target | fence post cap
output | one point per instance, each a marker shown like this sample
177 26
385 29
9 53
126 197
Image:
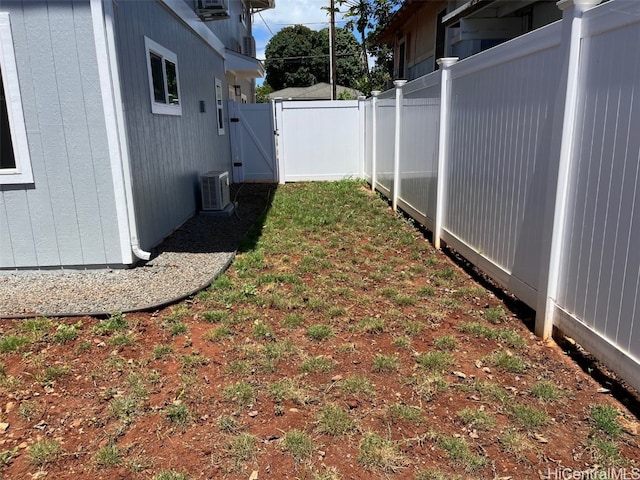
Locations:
580 4
399 83
447 61
375 93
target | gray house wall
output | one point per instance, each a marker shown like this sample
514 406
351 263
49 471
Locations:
231 32
67 217
168 153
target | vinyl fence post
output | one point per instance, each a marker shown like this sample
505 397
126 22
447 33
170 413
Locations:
396 149
374 139
278 132
443 143
362 140
560 166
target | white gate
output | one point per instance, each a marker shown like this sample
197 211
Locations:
253 150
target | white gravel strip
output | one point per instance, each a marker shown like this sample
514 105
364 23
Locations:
188 261
169 277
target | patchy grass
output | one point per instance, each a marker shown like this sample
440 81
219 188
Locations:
434 361
407 413
385 363
334 420
357 385
240 393
476 418
604 418
116 322
44 452
243 448
445 343
108 456
378 453
529 417
546 391
12 343
298 444
508 361
319 332
329 350
460 454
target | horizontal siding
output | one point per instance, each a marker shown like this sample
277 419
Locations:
67 217
168 153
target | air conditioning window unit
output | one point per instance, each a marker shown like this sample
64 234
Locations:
214 188
249 46
209 10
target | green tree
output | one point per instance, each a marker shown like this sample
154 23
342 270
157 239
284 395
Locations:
350 63
299 57
262 93
291 58
368 18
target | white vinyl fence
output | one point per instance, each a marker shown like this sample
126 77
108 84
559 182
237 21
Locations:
524 158
320 140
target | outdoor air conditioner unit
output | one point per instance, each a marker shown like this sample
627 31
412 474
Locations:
209 10
214 188
249 46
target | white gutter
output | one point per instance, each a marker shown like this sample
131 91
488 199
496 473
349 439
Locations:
116 133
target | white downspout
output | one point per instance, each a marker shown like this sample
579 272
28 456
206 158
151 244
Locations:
121 130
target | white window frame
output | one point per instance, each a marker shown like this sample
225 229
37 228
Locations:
166 54
219 107
22 172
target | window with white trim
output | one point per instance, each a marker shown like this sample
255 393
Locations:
164 85
15 161
219 107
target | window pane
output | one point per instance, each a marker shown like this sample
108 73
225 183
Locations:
158 78
7 159
172 83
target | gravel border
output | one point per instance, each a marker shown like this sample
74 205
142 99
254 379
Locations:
185 263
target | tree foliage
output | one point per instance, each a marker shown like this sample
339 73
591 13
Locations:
299 57
262 93
368 18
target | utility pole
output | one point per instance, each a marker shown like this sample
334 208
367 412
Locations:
332 47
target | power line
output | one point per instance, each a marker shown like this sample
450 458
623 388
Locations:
266 24
308 23
302 57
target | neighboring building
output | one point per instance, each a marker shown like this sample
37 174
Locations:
319 91
235 30
421 31
110 113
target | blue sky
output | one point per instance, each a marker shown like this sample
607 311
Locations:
289 12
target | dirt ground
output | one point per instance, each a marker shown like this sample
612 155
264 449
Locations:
139 395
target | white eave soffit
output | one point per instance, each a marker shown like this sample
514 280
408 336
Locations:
242 65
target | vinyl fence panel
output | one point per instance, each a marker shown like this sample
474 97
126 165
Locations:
321 140
500 129
600 276
386 122
419 148
369 139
